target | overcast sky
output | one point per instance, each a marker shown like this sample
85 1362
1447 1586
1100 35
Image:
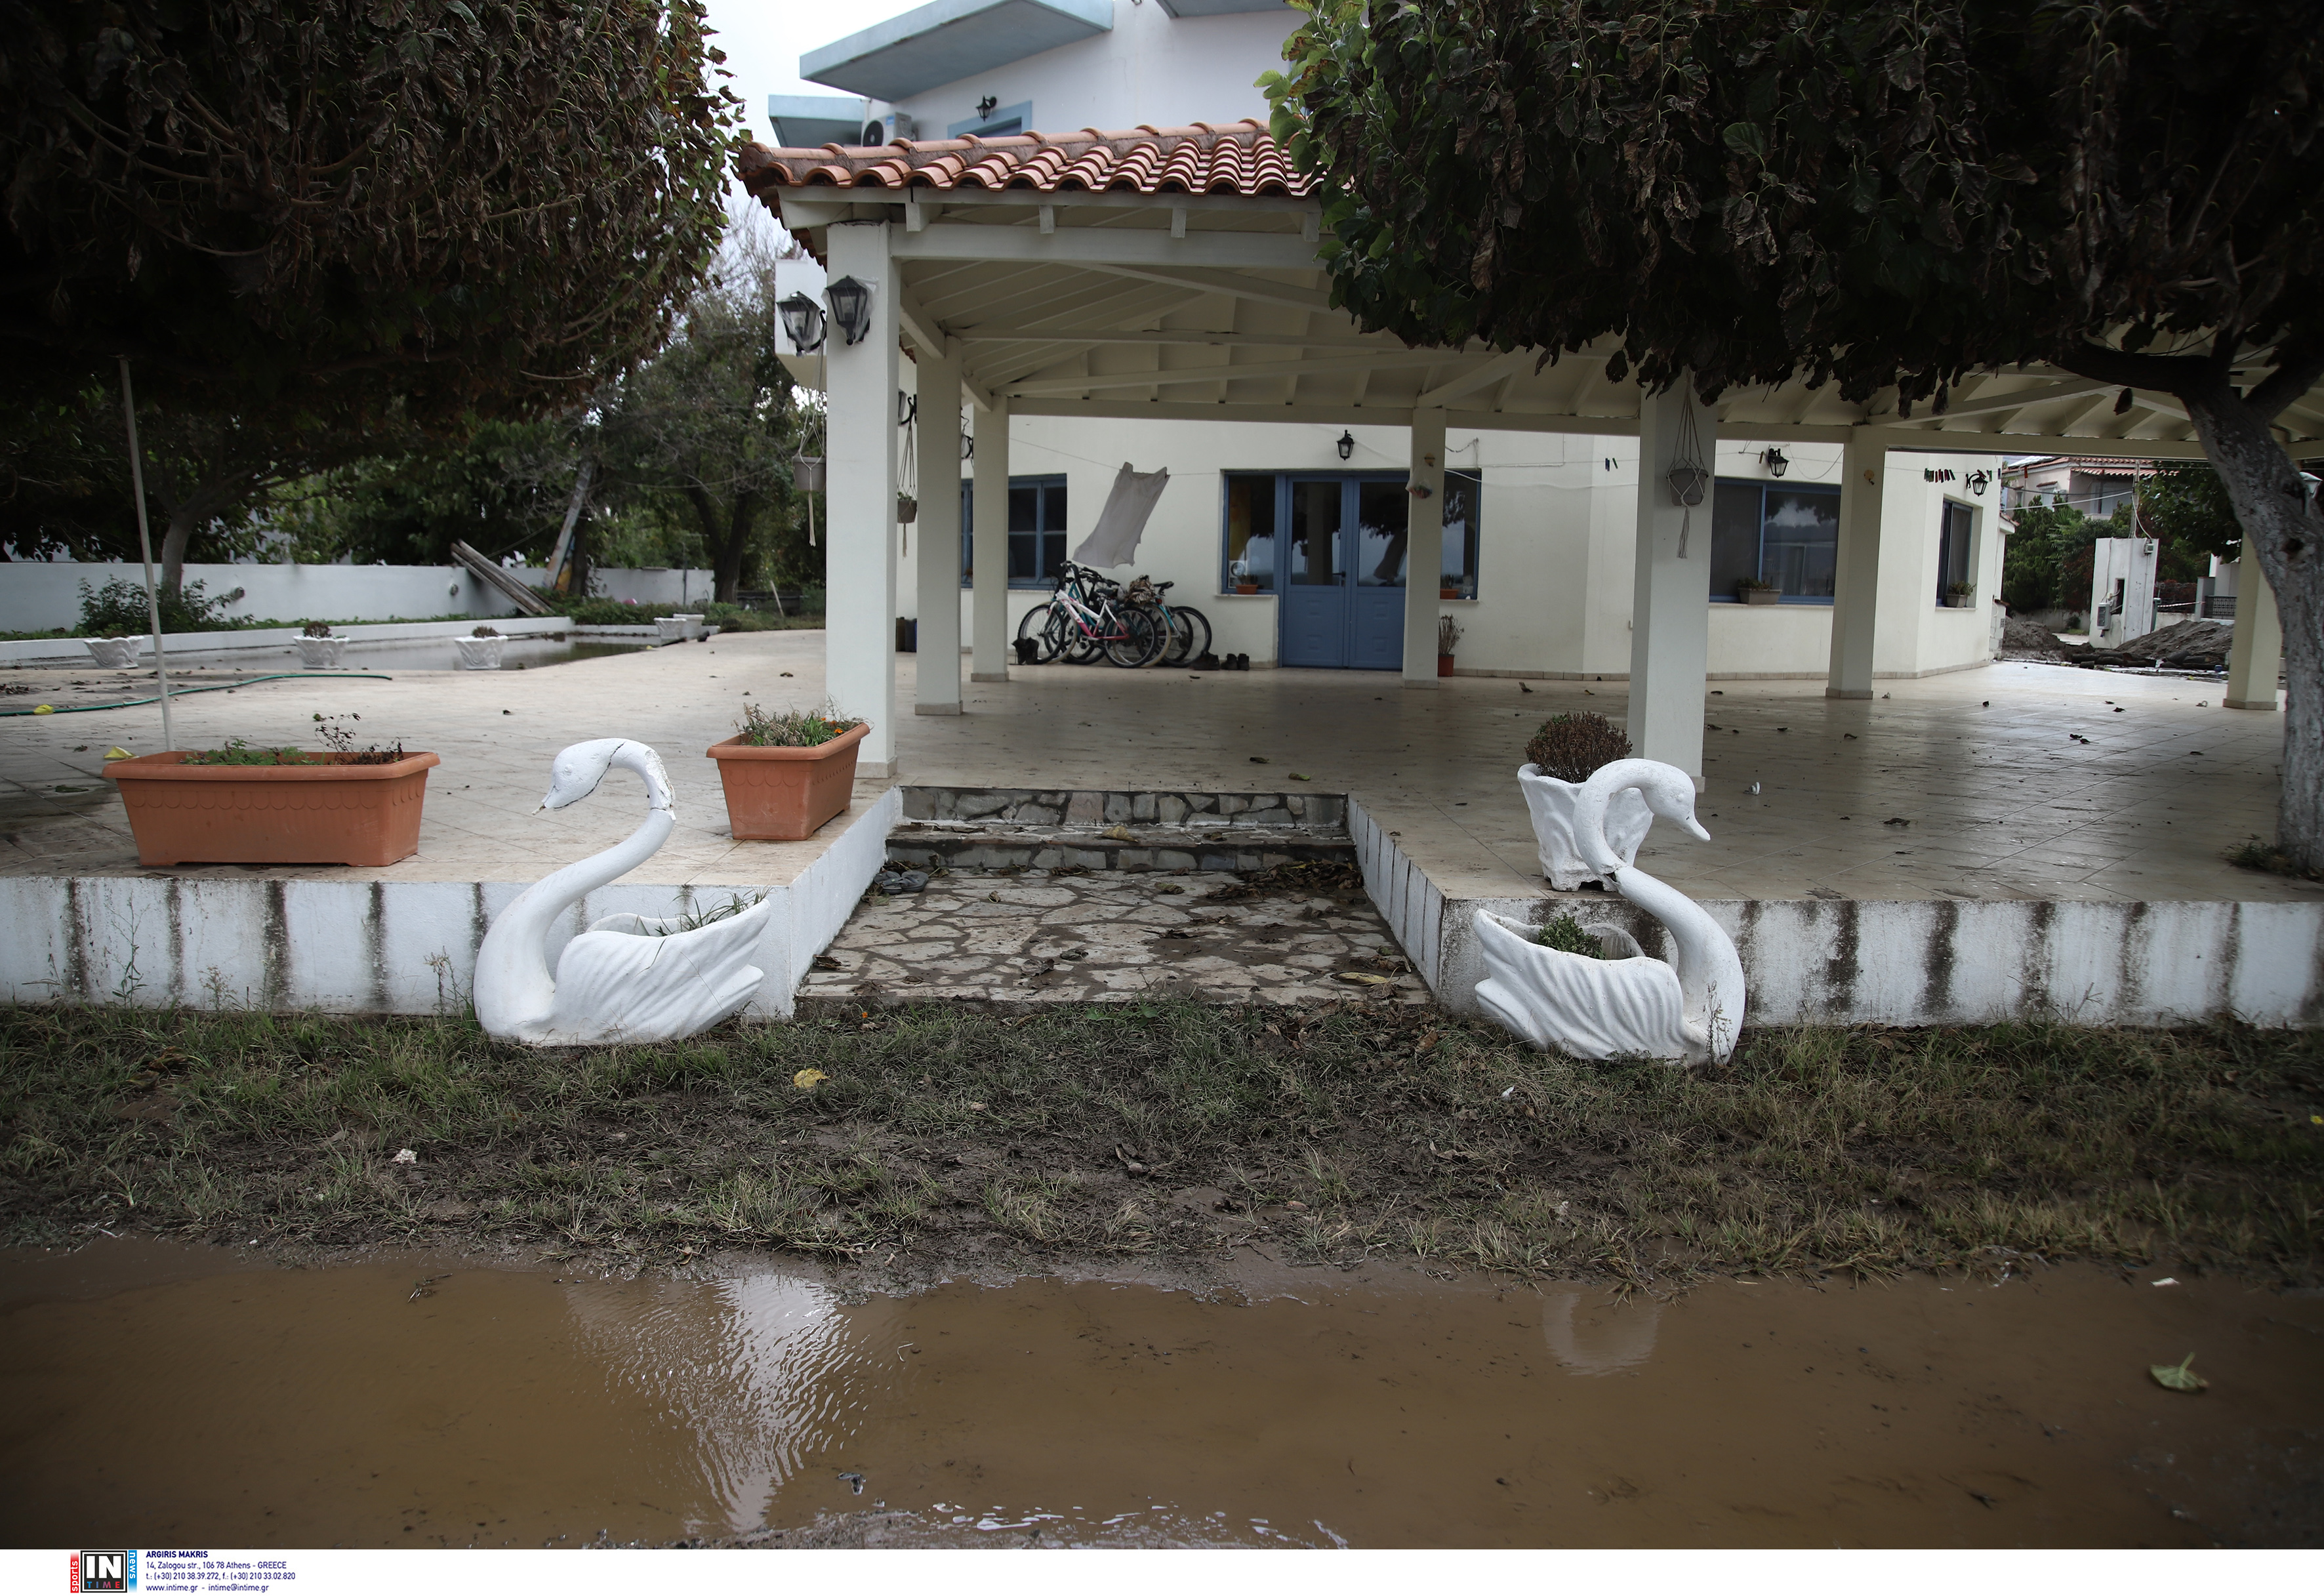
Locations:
763 40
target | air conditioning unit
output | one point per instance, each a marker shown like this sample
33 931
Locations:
888 129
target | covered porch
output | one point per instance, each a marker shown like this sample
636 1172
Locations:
1172 275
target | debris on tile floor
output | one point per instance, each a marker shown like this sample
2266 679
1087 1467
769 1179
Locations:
1014 937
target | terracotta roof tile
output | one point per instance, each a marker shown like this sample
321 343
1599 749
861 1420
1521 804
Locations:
1237 158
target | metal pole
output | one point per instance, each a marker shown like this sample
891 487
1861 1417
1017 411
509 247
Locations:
145 545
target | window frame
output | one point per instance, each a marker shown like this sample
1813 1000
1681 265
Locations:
1764 487
1040 483
1472 544
1972 527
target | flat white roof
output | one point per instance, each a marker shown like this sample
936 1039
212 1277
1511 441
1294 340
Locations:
949 40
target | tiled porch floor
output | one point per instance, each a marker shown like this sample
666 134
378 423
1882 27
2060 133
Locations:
2002 801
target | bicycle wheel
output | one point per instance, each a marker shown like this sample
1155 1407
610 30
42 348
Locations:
1136 638
1034 625
1190 635
1065 639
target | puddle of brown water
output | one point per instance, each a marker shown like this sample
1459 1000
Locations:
201 1400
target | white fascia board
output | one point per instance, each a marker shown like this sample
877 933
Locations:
948 40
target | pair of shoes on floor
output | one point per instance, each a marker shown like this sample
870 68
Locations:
1208 662
1238 662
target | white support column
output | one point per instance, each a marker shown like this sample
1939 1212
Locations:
1670 604
2255 655
988 517
859 647
938 539
1424 543
1856 580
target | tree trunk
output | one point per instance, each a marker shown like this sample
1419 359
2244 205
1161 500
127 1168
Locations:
171 556
2283 537
729 568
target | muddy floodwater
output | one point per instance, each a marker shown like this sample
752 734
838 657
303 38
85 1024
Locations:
157 1396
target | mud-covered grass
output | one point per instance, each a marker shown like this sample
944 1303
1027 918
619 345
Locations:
947 1137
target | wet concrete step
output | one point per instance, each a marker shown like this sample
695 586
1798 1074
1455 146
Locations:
997 806
1242 849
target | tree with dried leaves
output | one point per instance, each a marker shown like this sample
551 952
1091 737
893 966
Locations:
339 217
1874 193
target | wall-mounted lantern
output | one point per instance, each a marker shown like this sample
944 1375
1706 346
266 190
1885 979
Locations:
803 318
1978 480
1773 459
1347 444
851 307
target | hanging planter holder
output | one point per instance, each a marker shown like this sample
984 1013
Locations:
1690 475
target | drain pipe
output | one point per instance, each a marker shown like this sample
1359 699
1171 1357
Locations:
145 545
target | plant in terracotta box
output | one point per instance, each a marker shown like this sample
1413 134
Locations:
787 774
1755 590
245 804
1958 595
1565 753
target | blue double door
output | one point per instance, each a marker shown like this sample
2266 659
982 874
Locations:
1344 558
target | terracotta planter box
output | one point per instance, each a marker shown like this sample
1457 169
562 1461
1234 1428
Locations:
1443 664
1757 595
1448 593
781 795
323 812
1246 587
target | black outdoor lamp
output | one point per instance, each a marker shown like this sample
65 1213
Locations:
1978 480
803 319
1347 444
851 307
1773 459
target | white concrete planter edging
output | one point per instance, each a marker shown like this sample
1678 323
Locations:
115 653
365 947
322 654
1550 804
480 654
74 650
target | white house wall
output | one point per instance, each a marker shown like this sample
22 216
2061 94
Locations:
1556 585
1150 70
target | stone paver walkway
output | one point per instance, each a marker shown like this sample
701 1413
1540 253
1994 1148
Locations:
1031 936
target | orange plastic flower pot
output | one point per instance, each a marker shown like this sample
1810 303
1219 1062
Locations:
320 811
781 795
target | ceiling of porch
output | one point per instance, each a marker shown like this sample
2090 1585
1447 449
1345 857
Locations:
1173 274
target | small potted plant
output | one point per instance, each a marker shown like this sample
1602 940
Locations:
1757 590
785 775
1958 595
678 629
1448 638
480 650
1565 753
318 648
115 653
240 805
1240 571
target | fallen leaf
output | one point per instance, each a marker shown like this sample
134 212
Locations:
405 1156
2178 1377
1359 978
1256 759
1295 776
118 753
807 1079
51 709
1119 834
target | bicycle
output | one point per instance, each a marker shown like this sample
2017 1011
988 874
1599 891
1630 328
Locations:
1087 615
1189 628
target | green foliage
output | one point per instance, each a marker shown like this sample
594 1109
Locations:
2184 507
1565 934
235 751
118 609
2050 539
793 728
1870 191
503 488
359 206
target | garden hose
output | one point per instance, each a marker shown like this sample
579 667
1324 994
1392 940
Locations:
280 676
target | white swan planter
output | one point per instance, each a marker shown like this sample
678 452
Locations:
1627 1007
626 978
1566 856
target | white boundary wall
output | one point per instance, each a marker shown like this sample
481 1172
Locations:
362 947
1923 961
42 596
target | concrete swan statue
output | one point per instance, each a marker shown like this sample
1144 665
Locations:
1622 1008
626 978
